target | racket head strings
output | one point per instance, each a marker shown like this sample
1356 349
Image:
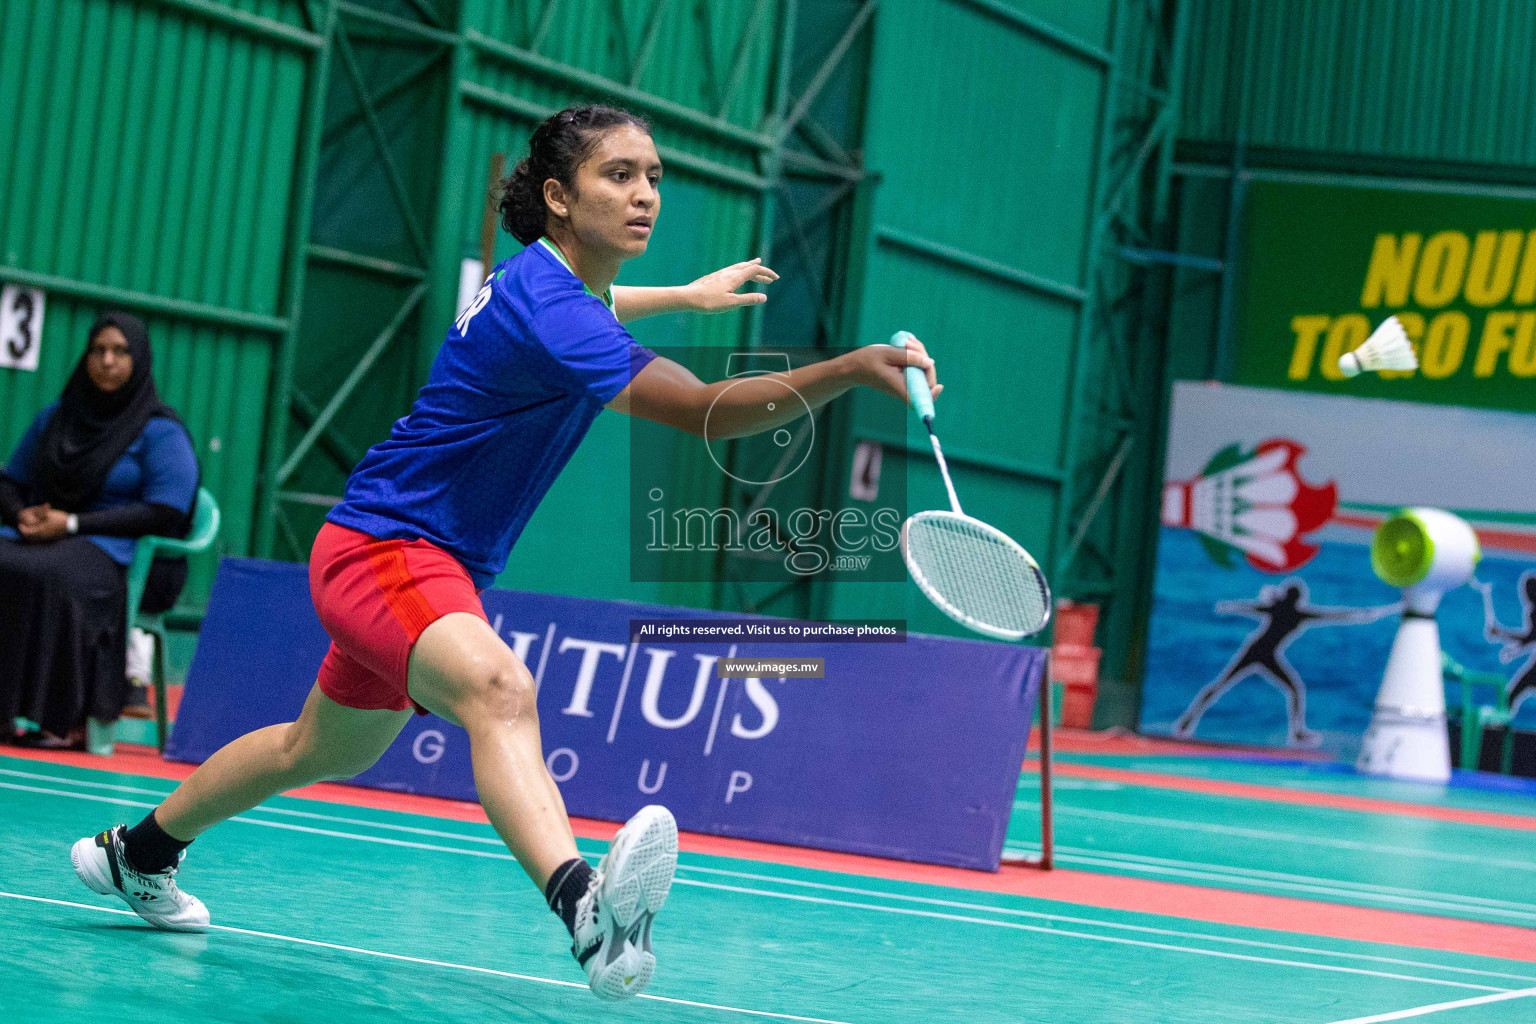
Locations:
976 574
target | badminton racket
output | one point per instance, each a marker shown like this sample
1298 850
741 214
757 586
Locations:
972 571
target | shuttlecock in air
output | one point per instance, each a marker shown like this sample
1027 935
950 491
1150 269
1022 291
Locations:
1388 348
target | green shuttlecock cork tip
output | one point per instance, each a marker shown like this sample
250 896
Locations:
1402 551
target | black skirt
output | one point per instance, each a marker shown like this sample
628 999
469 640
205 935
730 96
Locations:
63 645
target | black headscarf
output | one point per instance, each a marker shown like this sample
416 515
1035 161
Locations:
92 428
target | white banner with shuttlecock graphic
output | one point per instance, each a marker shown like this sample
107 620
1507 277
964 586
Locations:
1254 502
1268 625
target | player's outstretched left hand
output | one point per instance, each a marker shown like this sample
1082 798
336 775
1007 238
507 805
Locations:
715 293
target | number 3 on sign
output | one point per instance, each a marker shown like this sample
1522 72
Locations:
21 326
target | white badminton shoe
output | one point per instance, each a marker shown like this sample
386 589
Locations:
613 918
102 864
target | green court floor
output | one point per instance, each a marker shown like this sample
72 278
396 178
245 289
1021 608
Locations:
336 914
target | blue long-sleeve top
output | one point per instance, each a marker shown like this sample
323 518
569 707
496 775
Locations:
159 466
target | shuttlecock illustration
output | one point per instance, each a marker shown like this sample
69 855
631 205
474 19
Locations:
1388 348
1253 502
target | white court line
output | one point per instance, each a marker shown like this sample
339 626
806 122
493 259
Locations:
1278 880
272 824
1524 909
813 899
488 840
790 896
1113 925
1285 837
1075 855
1422 1011
432 963
1085 935
853 890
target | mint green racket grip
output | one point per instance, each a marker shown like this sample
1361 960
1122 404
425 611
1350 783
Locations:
917 381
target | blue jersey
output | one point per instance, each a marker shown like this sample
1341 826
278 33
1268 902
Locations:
524 371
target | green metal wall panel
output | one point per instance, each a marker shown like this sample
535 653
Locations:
1448 80
355 362
713 58
980 247
165 191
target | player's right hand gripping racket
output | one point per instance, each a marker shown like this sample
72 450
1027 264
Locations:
975 573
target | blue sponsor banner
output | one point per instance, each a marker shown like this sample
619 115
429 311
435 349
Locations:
907 750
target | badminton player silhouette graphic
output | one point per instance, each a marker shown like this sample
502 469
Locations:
429 517
1283 615
1515 642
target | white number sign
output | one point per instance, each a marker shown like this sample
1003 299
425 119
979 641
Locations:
21 326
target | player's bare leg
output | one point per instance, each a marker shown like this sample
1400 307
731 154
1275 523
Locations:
461 670
327 742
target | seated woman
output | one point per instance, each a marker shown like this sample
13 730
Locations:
107 463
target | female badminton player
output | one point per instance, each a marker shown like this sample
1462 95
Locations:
428 519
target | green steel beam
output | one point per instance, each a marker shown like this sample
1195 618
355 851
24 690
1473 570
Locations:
342 452
252 24
803 247
280 520
527 60
357 261
1083 336
529 110
1391 183
709 80
1175 101
427 11
1237 188
648 44
821 209
353 118
1158 133
806 166
824 73
616 20
1106 483
772 160
1042 30
348 386
128 298
381 143
310 498
444 258
1139 525
980 264
739 61
1048 476
403 25
300 208
822 141
545 23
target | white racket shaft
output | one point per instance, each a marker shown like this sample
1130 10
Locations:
972 571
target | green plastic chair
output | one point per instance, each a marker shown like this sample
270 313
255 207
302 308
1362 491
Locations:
205 527
1476 717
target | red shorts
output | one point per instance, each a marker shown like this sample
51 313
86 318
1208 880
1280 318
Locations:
374 598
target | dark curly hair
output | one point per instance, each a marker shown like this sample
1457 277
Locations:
558 146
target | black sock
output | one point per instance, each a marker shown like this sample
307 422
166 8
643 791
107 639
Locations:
566 887
150 848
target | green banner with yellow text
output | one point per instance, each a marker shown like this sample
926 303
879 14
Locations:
1323 265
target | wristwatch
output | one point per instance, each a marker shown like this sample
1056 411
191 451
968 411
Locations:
71 523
